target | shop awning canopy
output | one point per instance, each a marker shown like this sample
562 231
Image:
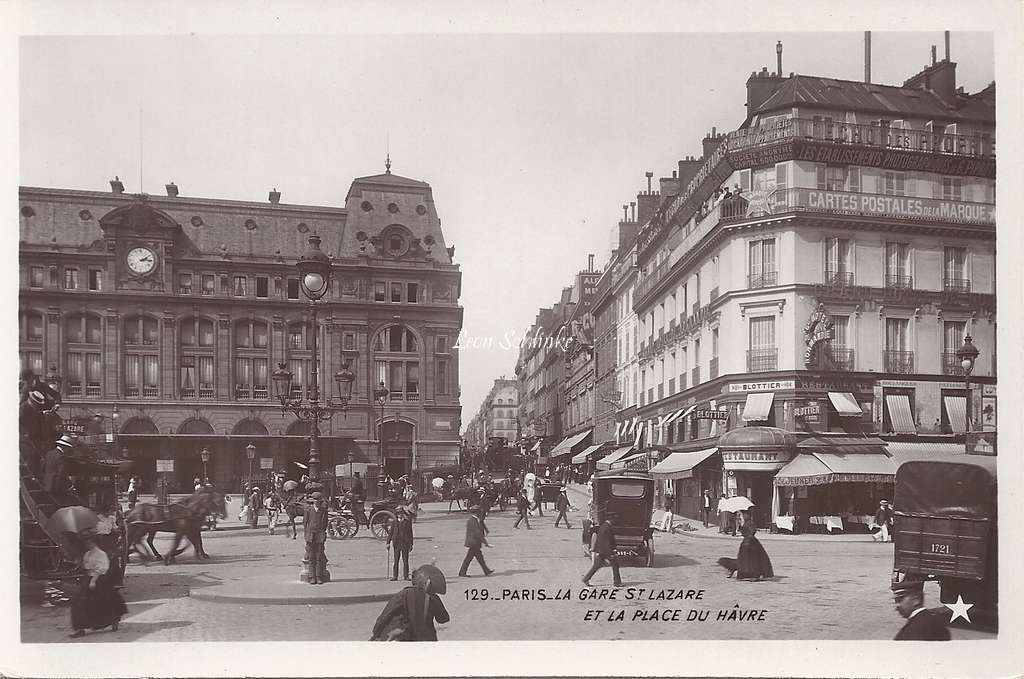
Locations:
617 454
758 406
956 410
681 465
845 404
629 461
900 415
819 468
904 451
567 444
844 445
582 457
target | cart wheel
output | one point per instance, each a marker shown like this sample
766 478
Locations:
346 527
381 522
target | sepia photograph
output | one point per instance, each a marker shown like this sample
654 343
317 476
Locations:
510 336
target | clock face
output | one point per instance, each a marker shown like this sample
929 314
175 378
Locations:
141 260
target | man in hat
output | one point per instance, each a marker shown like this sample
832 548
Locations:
255 505
603 550
474 540
55 479
523 509
562 504
921 625
705 509
400 539
883 517
314 530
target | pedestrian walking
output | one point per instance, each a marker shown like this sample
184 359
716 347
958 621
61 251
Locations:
562 504
669 518
523 509
921 625
314 530
883 517
55 478
410 614
255 505
133 493
751 562
273 505
603 551
475 538
97 604
400 539
705 509
197 485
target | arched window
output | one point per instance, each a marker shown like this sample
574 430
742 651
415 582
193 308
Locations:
82 366
252 360
141 357
30 331
195 371
396 358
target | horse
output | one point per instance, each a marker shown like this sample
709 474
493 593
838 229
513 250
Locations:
470 495
184 518
293 504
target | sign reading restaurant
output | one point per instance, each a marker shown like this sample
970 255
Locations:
774 385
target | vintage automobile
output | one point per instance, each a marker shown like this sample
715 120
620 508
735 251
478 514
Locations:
945 528
549 492
629 496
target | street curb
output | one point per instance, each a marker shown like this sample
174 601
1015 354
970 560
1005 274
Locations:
281 600
771 537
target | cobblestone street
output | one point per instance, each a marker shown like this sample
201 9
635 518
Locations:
824 589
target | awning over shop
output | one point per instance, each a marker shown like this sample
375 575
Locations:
617 454
631 461
842 445
956 409
582 457
681 465
820 468
536 447
904 451
803 470
758 406
566 446
900 415
845 404
678 415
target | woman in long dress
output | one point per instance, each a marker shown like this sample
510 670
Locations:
97 604
751 562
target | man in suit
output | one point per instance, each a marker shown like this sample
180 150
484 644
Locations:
603 549
55 478
562 505
705 508
314 530
400 539
474 540
883 517
921 625
523 509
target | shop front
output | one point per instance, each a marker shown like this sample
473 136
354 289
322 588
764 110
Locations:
751 456
833 484
560 457
687 476
583 463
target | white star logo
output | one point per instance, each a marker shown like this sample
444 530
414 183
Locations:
959 609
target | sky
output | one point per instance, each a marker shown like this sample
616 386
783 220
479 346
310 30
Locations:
531 143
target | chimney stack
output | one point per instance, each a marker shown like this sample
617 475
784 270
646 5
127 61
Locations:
625 213
590 262
933 55
649 176
116 186
632 205
172 189
946 34
867 57
275 196
778 51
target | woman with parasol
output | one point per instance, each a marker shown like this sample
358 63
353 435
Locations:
97 604
410 614
751 562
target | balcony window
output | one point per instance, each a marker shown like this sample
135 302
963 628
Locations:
379 292
952 337
238 287
95 280
208 285
141 330
761 264
293 288
70 278
954 276
897 266
195 332
141 375
32 360
412 293
952 188
762 355
225 284
196 375
35 276
894 183
897 357
837 262
31 327
185 284
262 287
83 329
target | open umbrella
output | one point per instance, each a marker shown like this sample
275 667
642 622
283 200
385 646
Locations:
74 519
735 504
291 485
430 578
437 483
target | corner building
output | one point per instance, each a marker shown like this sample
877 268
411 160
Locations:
831 297
167 315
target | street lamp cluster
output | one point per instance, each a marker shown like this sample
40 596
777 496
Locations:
968 354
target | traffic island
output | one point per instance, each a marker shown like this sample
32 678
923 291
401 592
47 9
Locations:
285 588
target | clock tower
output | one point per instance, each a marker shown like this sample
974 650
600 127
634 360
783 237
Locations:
141 238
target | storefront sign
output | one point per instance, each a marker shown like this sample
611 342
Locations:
827 384
817 330
165 465
747 456
807 411
899 206
706 414
897 159
266 463
776 385
74 428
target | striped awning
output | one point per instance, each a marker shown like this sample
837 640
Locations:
634 461
821 468
900 415
617 454
956 411
845 404
679 414
566 446
803 470
681 465
902 451
758 406
582 457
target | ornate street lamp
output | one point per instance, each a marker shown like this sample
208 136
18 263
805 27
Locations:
205 454
968 354
250 452
380 394
315 280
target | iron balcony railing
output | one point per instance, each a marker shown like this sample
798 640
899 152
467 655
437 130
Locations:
956 284
839 278
979 145
840 358
899 281
951 364
765 279
762 360
901 362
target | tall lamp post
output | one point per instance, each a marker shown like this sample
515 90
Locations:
968 354
250 452
380 394
315 280
205 454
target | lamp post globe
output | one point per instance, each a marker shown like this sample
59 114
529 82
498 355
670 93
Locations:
250 452
205 454
968 354
314 270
